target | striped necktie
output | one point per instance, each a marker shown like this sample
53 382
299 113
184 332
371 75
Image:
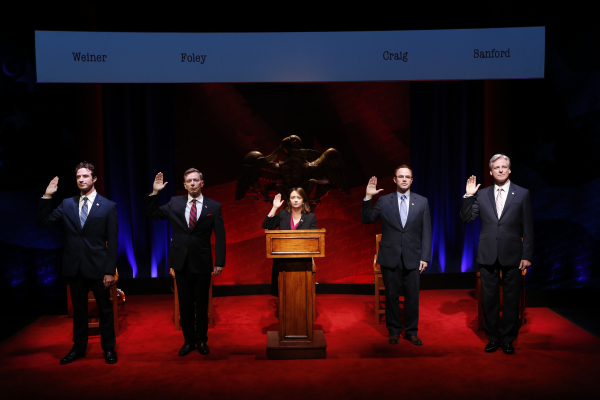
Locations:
193 217
499 203
84 211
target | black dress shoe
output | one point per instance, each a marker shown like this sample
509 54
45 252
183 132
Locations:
491 347
508 348
110 356
72 356
186 349
414 339
203 349
393 339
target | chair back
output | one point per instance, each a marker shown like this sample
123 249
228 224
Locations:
376 267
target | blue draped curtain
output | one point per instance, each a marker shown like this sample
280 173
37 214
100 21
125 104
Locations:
138 143
446 147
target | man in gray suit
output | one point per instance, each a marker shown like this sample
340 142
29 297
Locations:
404 250
505 243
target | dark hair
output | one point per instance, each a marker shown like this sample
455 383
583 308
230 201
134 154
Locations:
402 166
302 193
86 165
189 171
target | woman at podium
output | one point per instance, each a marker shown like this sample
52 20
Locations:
295 215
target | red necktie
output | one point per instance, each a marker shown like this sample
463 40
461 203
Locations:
193 215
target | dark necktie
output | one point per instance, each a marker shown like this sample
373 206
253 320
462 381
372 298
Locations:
84 212
193 218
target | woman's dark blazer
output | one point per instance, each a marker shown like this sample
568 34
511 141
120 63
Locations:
282 221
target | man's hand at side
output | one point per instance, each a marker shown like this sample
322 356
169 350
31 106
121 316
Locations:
524 265
109 280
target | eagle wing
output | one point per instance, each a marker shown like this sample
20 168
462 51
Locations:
332 165
256 167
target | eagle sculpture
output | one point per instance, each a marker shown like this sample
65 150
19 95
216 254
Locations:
292 166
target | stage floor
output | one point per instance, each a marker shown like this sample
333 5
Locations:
553 359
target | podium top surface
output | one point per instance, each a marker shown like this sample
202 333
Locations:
295 243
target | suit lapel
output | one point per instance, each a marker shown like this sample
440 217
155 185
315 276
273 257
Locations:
202 213
510 196
492 199
181 206
76 200
394 204
302 221
414 202
92 209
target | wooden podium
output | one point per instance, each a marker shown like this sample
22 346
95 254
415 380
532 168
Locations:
296 338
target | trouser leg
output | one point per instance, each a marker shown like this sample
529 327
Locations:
79 298
490 296
412 281
185 290
201 289
392 279
512 282
105 309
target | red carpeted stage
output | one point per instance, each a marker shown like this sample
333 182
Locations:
554 358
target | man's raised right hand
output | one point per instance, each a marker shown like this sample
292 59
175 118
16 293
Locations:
159 183
372 188
472 186
52 188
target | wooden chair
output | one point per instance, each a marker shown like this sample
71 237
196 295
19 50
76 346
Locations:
91 299
480 301
378 281
177 317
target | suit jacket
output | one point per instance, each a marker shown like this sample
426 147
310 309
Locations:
411 243
93 248
283 221
508 239
195 244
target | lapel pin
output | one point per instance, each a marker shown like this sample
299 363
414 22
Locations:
513 192
98 204
413 204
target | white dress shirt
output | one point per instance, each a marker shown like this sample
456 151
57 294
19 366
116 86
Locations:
90 198
407 200
503 194
188 207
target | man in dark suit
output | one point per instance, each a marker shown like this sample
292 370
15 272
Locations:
404 250
505 242
193 218
90 258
